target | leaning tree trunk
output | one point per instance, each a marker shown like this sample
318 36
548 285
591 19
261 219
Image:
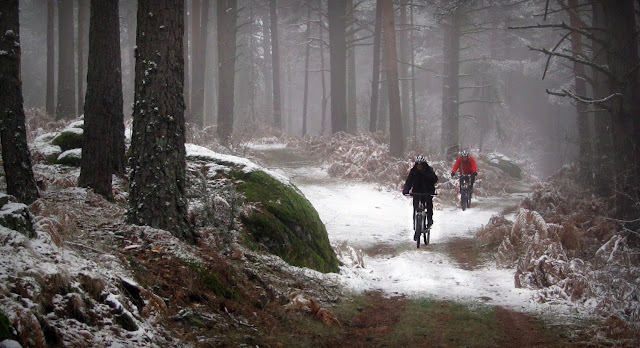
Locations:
15 151
396 138
158 164
450 89
375 80
227 17
275 62
66 67
103 107
337 60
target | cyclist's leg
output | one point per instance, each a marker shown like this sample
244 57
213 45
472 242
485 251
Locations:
429 204
415 208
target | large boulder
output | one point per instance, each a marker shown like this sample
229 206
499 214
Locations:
505 164
16 216
281 218
69 138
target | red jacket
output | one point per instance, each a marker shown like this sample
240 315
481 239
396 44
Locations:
466 167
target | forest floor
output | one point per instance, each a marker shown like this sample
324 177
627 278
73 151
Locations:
241 298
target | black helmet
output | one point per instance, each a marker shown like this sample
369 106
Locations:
420 159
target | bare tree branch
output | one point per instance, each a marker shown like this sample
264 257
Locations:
600 68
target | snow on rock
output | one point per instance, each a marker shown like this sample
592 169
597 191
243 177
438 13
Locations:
195 152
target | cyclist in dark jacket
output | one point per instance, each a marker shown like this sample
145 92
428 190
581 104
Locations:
422 179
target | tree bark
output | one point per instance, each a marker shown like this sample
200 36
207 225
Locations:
103 107
51 82
352 95
584 132
187 57
267 72
337 61
396 138
66 107
450 87
404 69
305 99
603 157
16 158
199 47
275 62
323 120
375 80
158 164
622 59
227 17
83 9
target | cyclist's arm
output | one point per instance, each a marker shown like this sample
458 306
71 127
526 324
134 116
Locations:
474 169
456 165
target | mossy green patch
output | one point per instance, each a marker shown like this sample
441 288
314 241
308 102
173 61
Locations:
5 327
69 139
286 222
211 282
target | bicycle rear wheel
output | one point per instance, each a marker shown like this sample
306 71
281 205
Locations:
427 235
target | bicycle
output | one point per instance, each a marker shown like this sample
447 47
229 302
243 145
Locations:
419 216
465 191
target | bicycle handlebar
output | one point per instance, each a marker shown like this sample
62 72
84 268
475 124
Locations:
421 194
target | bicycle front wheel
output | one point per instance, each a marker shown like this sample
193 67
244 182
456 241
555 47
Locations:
419 228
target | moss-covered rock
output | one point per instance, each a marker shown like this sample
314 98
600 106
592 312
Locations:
505 164
69 138
281 218
286 222
70 158
16 216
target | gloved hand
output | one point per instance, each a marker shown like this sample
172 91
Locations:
405 192
475 174
453 174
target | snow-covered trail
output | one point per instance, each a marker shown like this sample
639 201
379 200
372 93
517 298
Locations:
364 216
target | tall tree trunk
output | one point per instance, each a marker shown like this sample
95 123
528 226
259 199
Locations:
186 57
83 13
252 66
267 72
128 11
352 96
584 132
227 18
412 55
275 62
158 164
404 69
199 32
305 99
16 158
323 120
603 159
375 80
66 66
51 82
396 138
103 107
383 114
622 59
450 86
337 61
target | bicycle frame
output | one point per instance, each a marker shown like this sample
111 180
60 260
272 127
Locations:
419 217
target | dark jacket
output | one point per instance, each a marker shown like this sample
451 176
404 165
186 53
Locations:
422 181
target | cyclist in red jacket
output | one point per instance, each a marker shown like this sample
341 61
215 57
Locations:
467 165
